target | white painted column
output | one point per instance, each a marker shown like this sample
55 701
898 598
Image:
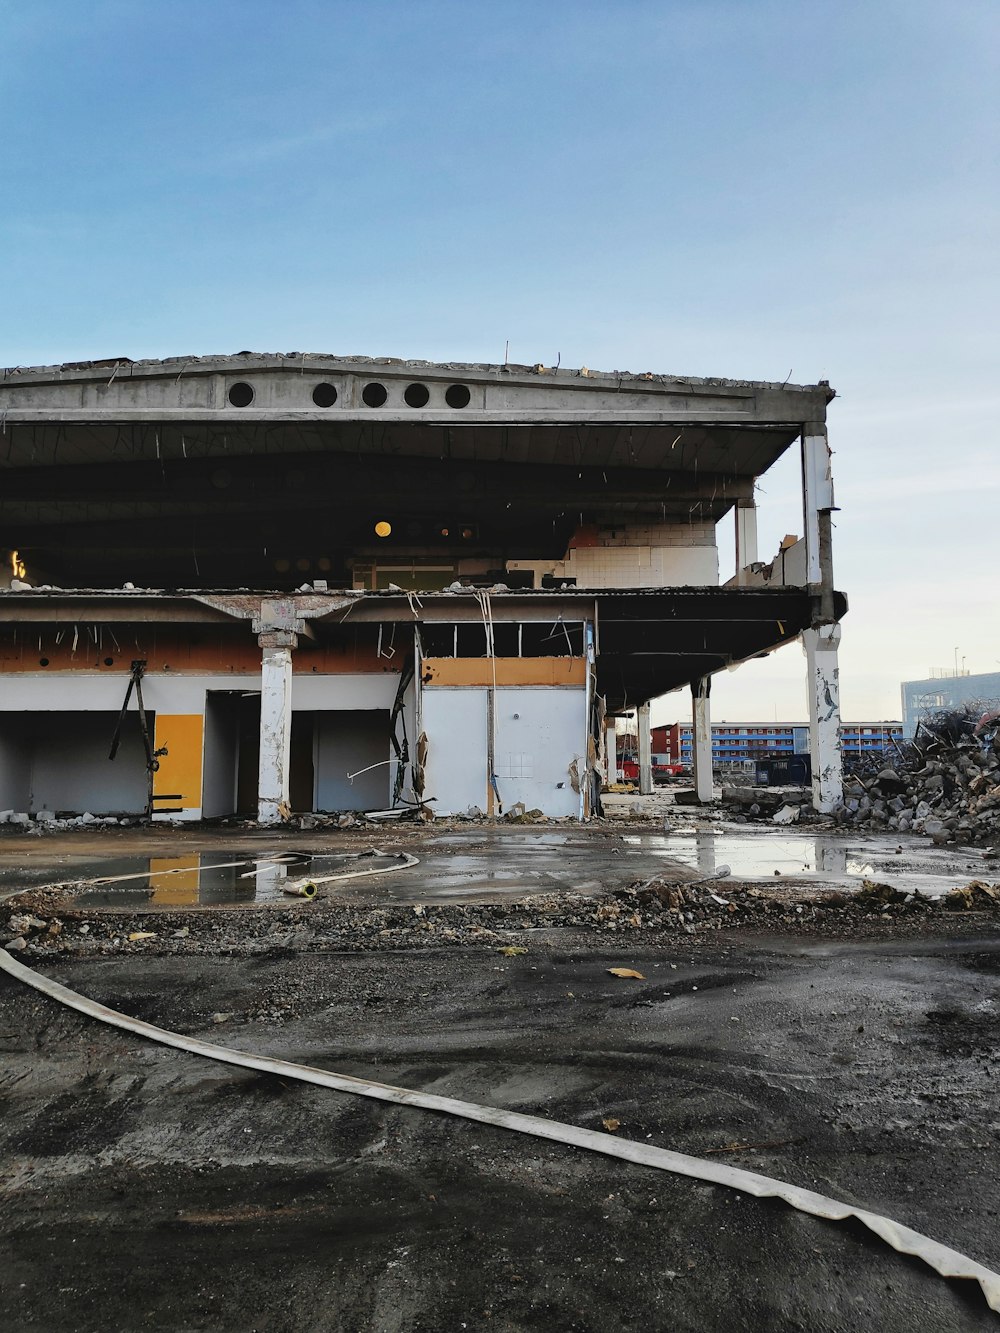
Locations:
645 750
701 739
611 748
821 645
275 729
746 537
817 503
822 640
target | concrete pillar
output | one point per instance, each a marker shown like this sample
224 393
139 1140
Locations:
818 504
275 728
746 537
611 748
822 640
701 738
645 750
821 645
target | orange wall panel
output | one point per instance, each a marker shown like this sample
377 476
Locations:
509 671
201 652
177 782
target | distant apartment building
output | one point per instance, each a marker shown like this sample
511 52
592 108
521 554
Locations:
947 689
733 742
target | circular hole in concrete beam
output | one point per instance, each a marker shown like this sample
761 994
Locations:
324 395
458 395
241 394
374 394
416 395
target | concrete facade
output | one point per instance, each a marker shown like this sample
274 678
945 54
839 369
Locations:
348 583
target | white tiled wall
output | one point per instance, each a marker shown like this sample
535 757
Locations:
656 556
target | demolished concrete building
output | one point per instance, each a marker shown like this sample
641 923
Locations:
325 583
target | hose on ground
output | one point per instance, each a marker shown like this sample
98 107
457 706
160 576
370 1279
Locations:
942 1259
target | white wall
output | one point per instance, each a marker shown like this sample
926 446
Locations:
102 786
59 761
371 690
666 555
540 730
455 722
347 741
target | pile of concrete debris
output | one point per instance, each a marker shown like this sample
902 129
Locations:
945 784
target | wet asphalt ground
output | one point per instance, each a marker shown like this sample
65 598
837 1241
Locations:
143 1188
215 867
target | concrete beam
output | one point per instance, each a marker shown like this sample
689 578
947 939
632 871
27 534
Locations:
43 608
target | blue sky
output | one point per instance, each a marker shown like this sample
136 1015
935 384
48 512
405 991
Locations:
741 189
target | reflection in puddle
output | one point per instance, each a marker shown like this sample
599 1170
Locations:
751 856
205 880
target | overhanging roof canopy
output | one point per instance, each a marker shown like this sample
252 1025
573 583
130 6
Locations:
190 468
650 641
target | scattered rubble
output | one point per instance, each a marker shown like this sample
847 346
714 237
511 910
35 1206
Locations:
47 921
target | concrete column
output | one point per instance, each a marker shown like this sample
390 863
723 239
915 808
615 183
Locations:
275 727
645 750
818 504
611 748
821 645
701 738
746 537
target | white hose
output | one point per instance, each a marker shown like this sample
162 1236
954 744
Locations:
949 1263
403 862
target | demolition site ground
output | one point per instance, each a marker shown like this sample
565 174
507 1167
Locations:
834 1025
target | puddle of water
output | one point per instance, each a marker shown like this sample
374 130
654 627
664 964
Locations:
211 879
479 863
755 856
815 856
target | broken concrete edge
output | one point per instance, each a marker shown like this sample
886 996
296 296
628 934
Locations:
942 1259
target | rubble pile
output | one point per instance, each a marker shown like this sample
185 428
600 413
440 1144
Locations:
944 784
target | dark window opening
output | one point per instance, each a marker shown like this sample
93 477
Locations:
241 395
374 394
552 640
506 640
533 639
458 395
324 395
471 641
437 640
416 395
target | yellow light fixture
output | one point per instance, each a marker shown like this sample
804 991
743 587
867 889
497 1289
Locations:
382 528
17 565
